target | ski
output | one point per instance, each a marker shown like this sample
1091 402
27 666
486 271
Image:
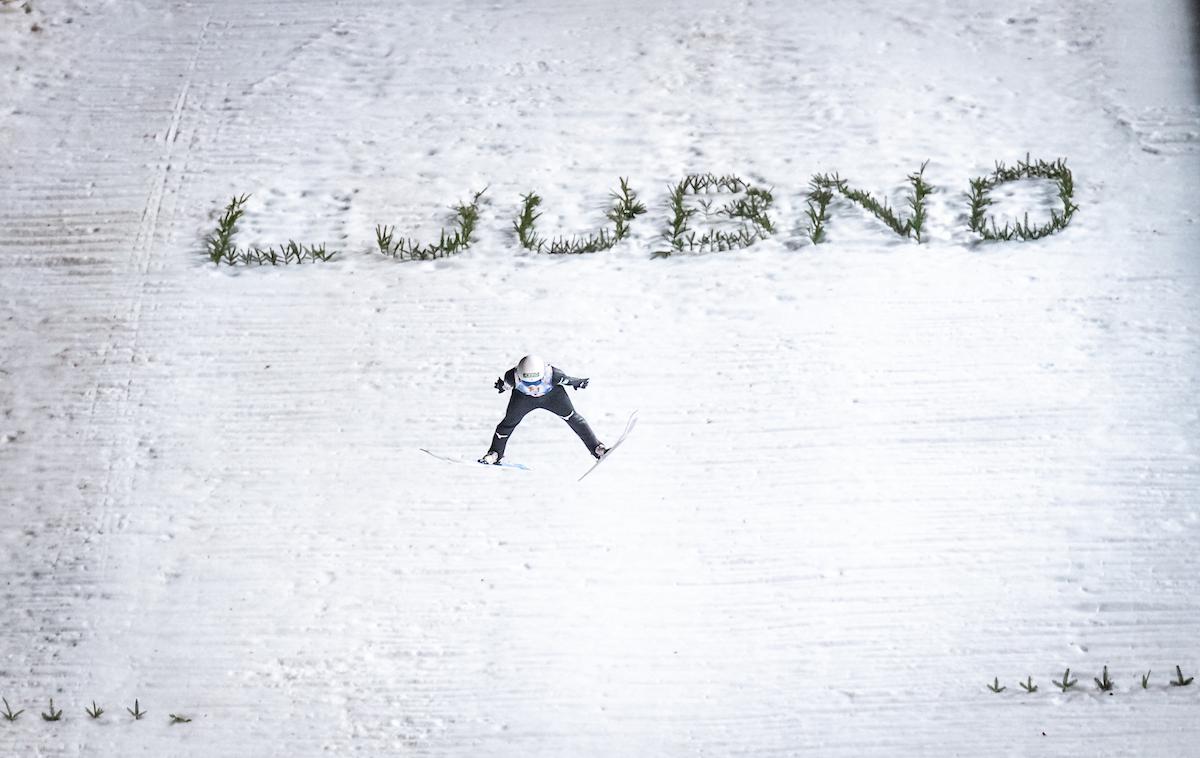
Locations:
452 459
628 428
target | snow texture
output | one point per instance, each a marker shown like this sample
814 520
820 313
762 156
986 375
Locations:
869 476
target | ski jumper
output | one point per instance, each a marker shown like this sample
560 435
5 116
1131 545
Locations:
551 394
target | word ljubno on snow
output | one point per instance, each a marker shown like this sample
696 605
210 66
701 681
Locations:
736 213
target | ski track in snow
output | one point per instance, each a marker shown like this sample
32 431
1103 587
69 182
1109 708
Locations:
867 477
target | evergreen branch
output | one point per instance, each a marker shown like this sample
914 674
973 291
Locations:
749 212
526 221
819 196
1179 681
466 217
1067 682
823 185
53 715
1056 171
625 208
8 712
222 249
220 242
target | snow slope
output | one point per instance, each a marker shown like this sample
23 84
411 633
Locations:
868 476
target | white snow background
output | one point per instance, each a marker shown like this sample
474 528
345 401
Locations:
868 477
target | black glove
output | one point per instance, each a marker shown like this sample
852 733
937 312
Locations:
499 385
580 384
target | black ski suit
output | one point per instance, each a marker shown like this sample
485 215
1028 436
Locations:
554 400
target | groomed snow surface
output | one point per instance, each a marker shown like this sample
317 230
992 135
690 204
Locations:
868 476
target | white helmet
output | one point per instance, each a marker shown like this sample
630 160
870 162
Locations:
531 369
